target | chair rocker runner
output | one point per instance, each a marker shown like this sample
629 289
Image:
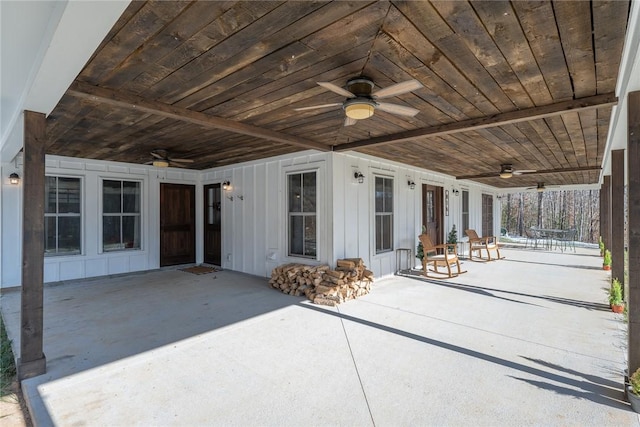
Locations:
439 255
488 243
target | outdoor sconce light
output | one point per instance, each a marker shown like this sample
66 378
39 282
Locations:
226 185
455 192
359 177
14 179
411 184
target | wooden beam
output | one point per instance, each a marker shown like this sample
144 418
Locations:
582 104
633 167
32 361
617 214
605 212
126 100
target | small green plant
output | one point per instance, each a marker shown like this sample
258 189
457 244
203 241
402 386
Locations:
419 249
601 245
607 258
634 380
453 235
615 293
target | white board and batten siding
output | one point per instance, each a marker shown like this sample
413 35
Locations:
92 261
254 213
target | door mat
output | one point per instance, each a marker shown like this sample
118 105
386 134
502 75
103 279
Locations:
199 269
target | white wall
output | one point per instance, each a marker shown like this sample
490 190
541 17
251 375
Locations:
254 227
254 223
353 208
91 262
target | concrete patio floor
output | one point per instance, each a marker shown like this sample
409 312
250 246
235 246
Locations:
528 340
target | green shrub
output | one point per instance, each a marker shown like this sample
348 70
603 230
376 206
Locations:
615 293
7 362
634 380
607 258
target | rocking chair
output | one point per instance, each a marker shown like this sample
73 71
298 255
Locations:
439 255
489 243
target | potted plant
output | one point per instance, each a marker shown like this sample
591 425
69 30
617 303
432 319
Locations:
419 249
452 238
606 262
634 390
601 245
615 297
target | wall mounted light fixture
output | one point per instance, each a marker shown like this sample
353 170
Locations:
14 179
359 177
226 185
411 184
455 192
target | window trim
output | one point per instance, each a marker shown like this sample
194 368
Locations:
56 215
375 251
101 214
289 214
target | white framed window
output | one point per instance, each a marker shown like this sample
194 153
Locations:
62 216
302 227
465 210
384 214
121 219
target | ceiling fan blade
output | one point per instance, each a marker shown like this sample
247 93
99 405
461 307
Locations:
159 155
397 109
181 160
480 175
313 107
538 172
348 121
336 89
398 89
524 171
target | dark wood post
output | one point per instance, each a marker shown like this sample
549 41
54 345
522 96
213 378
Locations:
32 361
633 298
605 211
617 215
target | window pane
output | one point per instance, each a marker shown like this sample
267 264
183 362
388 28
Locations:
50 194
387 232
130 197
310 235
68 195
309 192
50 234
378 233
295 193
131 232
111 233
69 234
296 235
379 194
388 195
111 196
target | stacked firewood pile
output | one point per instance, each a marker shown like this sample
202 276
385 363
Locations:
320 284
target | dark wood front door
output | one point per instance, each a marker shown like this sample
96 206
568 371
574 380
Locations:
177 224
212 224
432 212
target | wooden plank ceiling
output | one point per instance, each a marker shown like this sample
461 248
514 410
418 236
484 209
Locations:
529 83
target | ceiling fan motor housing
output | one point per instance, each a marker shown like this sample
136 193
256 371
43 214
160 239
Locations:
360 86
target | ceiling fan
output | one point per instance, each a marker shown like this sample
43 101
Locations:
507 171
161 159
541 187
361 102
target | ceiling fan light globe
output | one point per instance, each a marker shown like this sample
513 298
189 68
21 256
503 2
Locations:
161 163
359 110
506 174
